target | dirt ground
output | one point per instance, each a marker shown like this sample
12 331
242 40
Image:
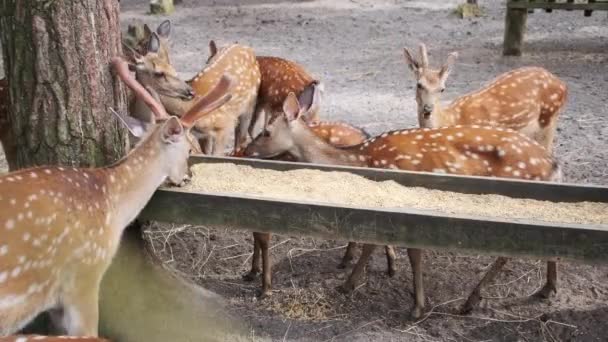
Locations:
355 46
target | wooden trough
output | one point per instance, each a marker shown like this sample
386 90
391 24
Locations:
409 228
141 300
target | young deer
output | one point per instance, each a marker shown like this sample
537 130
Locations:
238 62
41 338
335 134
527 100
140 43
61 226
465 150
280 77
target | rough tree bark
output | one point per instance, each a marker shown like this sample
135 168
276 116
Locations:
56 60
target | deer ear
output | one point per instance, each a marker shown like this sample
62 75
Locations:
410 60
164 29
291 107
147 31
172 130
448 66
153 43
309 100
137 127
212 48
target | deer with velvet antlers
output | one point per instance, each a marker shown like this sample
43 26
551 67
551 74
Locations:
61 226
236 61
527 100
464 150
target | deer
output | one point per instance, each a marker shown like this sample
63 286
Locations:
337 134
139 42
237 61
61 227
43 338
527 100
464 150
279 77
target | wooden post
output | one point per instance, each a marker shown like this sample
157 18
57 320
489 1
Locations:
161 6
515 27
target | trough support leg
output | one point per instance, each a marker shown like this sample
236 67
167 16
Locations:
515 27
475 296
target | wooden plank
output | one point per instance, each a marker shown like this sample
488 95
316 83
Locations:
596 6
410 228
542 191
515 27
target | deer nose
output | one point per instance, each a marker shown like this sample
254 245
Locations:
427 110
190 93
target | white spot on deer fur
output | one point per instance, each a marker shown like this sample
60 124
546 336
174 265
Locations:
26 236
450 138
521 165
3 276
516 173
16 271
10 179
439 170
3 250
501 152
9 224
508 169
415 161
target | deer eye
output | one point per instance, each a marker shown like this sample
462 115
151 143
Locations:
419 85
266 133
159 74
442 90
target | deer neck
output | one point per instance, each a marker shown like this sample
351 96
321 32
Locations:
441 116
131 182
312 149
175 106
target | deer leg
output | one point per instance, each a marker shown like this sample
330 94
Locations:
551 285
348 255
390 260
255 259
354 277
266 266
81 311
415 256
219 144
475 296
206 144
241 131
255 116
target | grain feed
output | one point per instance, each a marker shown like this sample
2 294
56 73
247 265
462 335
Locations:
349 189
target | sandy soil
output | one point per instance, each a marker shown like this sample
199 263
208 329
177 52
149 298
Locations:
355 46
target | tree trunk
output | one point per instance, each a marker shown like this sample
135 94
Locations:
56 58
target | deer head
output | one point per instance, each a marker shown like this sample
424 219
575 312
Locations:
155 72
279 134
172 131
430 83
140 43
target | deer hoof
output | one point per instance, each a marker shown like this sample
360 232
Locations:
265 294
250 276
343 264
416 314
546 292
346 288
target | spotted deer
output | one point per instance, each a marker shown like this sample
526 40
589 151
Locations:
280 77
465 150
42 338
140 43
338 135
527 100
61 227
239 63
